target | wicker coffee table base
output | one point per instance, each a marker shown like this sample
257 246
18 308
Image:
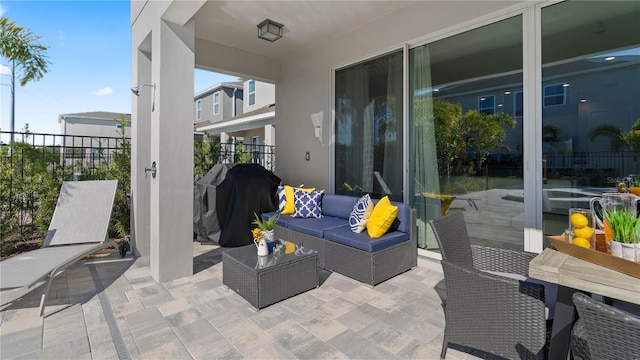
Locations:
288 277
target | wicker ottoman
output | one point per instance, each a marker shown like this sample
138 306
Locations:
265 280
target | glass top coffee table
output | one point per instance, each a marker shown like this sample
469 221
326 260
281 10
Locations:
266 280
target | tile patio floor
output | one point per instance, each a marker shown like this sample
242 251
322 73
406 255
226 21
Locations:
197 317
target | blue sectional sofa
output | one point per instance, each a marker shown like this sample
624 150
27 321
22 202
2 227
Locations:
355 255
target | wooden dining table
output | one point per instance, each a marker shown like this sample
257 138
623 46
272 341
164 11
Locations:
573 274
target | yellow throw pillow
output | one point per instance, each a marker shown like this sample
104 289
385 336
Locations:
381 218
288 194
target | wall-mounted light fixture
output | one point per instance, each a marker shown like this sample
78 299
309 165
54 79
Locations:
316 119
136 91
270 30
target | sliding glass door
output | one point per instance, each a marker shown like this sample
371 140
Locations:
466 133
469 133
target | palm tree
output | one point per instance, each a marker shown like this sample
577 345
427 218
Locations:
611 131
619 138
23 49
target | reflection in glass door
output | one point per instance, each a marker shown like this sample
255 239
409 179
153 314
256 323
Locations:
466 133
591 87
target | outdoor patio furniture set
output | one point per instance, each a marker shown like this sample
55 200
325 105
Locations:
266 280
356 255
492 304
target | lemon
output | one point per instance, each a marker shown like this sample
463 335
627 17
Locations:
582 242
583 232
289 248
578 220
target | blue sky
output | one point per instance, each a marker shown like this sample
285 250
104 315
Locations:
90 62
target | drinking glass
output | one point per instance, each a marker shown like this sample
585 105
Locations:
582 225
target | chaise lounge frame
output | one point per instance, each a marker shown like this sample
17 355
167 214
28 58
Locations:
79 227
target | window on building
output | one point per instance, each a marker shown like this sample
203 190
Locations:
216 103
252 92
198 110
487 104
96 154
518 105
555 94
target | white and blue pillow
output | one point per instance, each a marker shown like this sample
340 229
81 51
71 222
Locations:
282 198
307 204
360 214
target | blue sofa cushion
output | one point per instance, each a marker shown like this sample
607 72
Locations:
362 241
339 206
316 226
334 225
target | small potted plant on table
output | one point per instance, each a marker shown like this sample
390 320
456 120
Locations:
625 229
265 228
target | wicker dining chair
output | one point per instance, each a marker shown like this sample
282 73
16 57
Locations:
486 307
604 332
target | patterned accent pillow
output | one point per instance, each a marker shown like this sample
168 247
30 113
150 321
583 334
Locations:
360 214
282 198
290 199
307 204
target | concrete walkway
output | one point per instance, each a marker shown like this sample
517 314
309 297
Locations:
109 308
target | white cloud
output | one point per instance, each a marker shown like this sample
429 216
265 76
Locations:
2 10
104 91
5 70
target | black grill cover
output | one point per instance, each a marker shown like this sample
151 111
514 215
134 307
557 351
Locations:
226 200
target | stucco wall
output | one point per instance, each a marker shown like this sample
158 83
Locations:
226 105
93 127
265 95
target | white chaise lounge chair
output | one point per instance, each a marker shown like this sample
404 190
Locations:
78 228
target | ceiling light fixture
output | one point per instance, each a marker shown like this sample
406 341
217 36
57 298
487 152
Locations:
270 30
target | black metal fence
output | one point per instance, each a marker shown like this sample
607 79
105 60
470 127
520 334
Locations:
595 168
247 153
73 153
32 167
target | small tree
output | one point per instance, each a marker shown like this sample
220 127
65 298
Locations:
449 141
483 132
632 138
205 155
120 169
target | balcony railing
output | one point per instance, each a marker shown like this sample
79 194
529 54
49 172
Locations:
245 153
